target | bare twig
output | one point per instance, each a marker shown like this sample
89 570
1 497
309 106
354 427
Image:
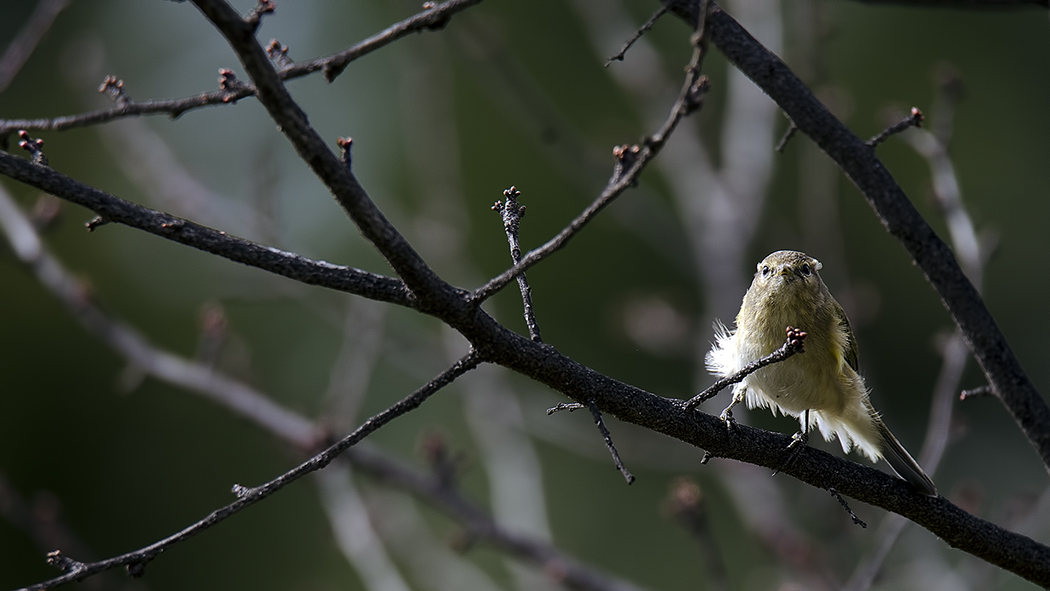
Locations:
618 57
426 285
795 343
630 162
788 134
512 214
845 505
597 414
432 18
137 560
569 406
977 392
914 119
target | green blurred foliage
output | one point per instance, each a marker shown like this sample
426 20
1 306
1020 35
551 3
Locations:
531 105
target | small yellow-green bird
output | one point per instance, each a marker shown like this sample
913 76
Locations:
820 386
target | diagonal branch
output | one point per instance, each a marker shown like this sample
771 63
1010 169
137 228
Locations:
114 209
136 561
432 291
630 162
896 212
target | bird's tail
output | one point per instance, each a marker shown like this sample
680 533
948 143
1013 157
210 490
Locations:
901 461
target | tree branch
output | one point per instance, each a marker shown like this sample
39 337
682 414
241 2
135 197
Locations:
430 19
897 214
431 290
110 208
136 561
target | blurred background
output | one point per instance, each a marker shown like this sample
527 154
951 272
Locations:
98 456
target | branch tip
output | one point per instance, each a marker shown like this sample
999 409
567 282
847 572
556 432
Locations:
569 406
278 54
95 223
600 423
114 87
34 147
845 505
976 392
637 35
262 8
345 145
229 83
64 563
788 134
914 119
793 343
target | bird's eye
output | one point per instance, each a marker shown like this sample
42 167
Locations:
765 269
805 269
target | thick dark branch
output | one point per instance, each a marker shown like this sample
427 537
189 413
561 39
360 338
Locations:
137 560
433 293
114 209
983 539
898 215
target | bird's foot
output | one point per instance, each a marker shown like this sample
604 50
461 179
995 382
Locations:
727 418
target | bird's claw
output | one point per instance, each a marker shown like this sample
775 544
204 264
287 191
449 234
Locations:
798 441
799 438
727 418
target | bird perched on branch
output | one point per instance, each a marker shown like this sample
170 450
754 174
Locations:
821 387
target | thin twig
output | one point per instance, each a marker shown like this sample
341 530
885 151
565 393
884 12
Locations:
600 422
914 119
788 134
327 166
630 162
569 406
977 392
795 343
637 35
430 19
845 505
137 560
512 214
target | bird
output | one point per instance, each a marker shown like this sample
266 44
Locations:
821 387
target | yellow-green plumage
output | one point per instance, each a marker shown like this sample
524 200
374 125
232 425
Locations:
788 291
